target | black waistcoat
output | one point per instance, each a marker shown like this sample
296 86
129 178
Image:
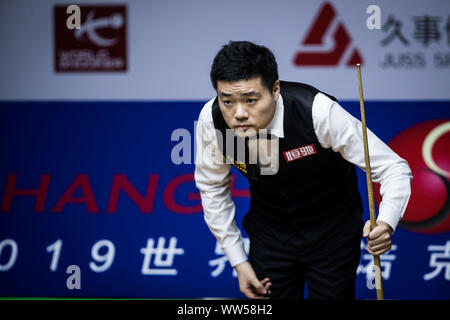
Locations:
313 187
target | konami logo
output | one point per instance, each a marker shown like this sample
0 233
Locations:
315 37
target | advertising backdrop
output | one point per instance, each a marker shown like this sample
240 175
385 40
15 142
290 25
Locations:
91 119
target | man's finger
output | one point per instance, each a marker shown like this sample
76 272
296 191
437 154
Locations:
384 238
267 286
256 287
380 247
251 293
370 251
264 281
380 252
366 229
376 232
260 289
376 253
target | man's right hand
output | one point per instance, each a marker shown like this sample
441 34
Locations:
249 283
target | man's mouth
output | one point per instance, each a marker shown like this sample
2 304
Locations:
243 128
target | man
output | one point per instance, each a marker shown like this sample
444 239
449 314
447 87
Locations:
305 217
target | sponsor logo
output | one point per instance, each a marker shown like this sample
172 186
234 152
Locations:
98 45
419 41
316 35
81 192
426 148
299 153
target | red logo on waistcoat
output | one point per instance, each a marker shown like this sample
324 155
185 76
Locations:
299 152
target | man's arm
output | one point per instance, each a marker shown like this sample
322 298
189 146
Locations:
337 129
212 178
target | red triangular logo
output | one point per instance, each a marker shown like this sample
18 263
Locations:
315 36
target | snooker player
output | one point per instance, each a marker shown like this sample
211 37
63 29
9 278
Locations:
305 217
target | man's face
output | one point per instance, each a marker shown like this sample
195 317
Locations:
247 106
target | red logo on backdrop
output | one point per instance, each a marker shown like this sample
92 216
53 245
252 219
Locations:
316 35
99 44
426 147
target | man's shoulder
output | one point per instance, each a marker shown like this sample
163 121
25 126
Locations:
303 91
206 111
290 85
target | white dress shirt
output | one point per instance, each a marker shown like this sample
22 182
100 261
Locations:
335 128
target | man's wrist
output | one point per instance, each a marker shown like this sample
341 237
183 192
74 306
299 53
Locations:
241 266
387 226
236 253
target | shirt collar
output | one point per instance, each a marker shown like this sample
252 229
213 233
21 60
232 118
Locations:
276 126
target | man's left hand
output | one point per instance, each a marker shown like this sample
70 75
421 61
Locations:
379 239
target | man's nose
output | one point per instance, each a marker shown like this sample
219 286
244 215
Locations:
241 113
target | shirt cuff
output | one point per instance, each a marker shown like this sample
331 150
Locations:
389 215
236 253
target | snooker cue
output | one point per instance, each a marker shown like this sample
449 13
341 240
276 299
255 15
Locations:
376 258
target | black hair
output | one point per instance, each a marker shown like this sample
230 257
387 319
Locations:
243 60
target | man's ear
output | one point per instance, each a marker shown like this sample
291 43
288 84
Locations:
276 89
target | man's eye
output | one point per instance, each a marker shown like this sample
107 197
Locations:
227 103
251 101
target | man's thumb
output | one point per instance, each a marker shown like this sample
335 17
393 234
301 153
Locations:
259 288
366 229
